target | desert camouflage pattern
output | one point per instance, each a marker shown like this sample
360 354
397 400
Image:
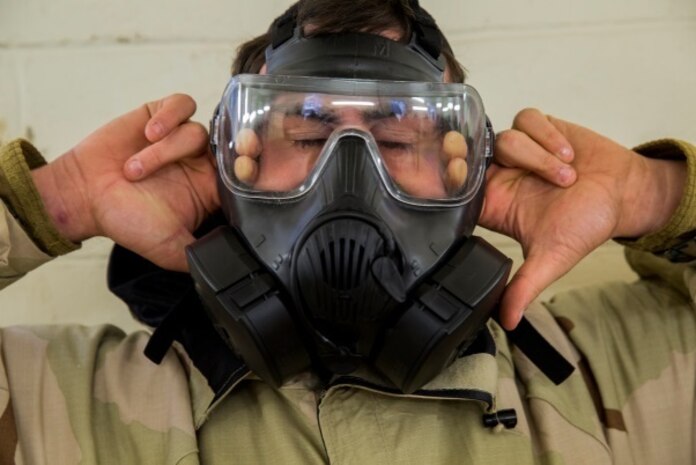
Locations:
79 395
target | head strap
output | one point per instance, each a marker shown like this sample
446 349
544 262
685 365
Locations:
356 55
425 30
283 27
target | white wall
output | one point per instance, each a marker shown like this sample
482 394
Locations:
625 67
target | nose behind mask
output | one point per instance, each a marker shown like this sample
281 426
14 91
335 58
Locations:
346 269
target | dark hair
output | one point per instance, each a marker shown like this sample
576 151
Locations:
336 16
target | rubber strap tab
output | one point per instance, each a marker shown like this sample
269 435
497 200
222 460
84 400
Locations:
540 352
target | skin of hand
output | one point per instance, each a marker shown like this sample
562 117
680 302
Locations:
559 218
145 180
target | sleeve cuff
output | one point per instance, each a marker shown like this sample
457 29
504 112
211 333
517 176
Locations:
683 220
17 189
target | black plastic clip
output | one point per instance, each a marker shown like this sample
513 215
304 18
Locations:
507 417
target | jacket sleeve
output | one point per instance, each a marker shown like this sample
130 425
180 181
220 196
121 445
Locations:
27 236
683 220
644 254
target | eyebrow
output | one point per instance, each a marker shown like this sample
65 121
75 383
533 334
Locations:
326 117
384 114
379 114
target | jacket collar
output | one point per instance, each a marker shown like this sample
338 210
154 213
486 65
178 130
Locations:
471 377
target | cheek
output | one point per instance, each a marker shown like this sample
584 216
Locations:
446 78
421 186
419 177
280 171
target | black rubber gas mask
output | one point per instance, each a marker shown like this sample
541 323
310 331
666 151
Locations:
352 179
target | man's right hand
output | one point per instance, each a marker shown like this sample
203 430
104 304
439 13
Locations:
145 180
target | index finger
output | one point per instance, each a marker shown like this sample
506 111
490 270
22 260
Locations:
167 114
516 149
538 127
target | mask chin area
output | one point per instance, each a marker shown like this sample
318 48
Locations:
348 277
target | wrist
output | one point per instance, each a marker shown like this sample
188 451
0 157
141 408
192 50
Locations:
60 187
653 192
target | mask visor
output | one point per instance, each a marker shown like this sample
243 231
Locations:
275 134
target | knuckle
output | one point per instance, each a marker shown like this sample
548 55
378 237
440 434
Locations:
184 99
198 133
151 107
507 140
525 115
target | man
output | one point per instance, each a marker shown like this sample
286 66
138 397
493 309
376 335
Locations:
108 403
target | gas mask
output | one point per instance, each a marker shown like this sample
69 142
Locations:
352 179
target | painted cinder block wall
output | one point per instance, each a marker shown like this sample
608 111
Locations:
625 67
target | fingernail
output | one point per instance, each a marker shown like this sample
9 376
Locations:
135 168
157 129
566 154
565 174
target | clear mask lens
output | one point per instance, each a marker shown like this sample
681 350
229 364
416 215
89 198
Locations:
275 134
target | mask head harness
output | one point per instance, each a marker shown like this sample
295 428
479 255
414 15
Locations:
345 272
357 55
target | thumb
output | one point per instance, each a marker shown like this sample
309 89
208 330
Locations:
537 273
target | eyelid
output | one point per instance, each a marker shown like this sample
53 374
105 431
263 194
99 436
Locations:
308 134
403 135
313 128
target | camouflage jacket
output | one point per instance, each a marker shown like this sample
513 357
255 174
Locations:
75 394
